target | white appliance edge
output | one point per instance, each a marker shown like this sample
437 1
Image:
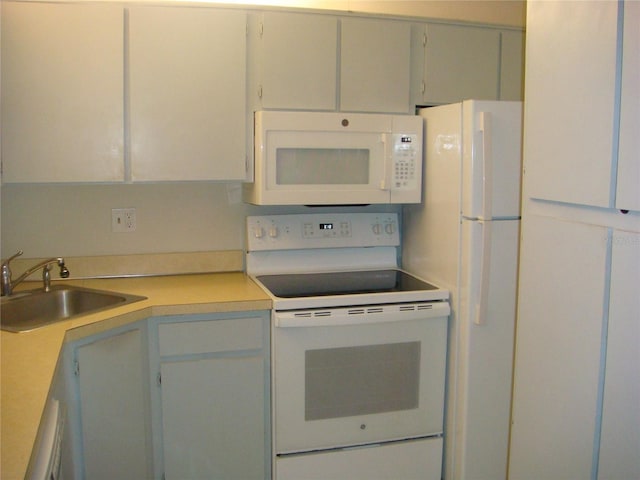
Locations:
464 237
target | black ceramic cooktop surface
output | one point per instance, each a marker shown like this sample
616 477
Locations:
295 285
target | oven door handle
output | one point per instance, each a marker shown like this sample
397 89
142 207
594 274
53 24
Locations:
361 316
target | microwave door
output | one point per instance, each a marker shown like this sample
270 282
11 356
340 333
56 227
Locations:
335 158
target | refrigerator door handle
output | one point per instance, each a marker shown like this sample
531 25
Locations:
482 301
484 126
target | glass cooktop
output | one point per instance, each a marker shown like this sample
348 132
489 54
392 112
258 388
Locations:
297 285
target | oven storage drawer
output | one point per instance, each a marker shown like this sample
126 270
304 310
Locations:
408 460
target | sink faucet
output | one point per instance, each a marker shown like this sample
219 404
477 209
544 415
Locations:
8 284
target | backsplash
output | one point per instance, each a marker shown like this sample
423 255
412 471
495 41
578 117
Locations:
110 266
75 220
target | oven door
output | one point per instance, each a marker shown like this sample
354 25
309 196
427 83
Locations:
360 375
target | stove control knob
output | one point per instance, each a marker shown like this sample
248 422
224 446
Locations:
273 231
390 228
377 228
258 232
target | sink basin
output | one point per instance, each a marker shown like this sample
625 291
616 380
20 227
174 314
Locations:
28 310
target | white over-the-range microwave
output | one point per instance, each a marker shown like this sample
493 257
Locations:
335 158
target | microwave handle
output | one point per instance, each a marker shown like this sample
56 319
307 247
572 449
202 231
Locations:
387 168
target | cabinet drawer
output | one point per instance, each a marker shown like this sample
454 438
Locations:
226 335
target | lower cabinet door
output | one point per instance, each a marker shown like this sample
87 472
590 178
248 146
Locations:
408 460
558 348
213 422
113 407
620 437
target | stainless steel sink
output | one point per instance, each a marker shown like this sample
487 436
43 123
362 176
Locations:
28 310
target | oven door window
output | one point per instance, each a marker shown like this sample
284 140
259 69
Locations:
362 380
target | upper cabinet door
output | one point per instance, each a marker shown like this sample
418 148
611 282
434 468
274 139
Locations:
297 61
62 92
460 63
570 101
511 65
375 65
628 190
187 82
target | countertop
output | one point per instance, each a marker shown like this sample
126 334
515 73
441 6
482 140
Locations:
28 360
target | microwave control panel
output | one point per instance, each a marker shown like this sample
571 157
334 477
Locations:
405 161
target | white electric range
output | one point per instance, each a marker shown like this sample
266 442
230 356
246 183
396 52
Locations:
358 348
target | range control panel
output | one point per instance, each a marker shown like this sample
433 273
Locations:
320 230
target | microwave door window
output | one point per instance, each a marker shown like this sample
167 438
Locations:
322 166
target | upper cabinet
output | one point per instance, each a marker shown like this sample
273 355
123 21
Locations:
62 92
628 193
460 63
187 79
511 65
294 57
323 62
375 65
463 62
75 108
136 92
567 161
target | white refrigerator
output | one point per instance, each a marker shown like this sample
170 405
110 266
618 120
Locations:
464 237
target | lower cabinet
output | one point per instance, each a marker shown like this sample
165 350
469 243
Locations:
620 433
112 393
179 397
210 404
576 394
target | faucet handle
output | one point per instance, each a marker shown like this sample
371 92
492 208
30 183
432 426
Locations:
5 280
5 262
64 271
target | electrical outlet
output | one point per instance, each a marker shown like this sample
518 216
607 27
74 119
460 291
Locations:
123 219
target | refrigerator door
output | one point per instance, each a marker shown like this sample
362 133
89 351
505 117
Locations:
431 230
484 348
491 159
